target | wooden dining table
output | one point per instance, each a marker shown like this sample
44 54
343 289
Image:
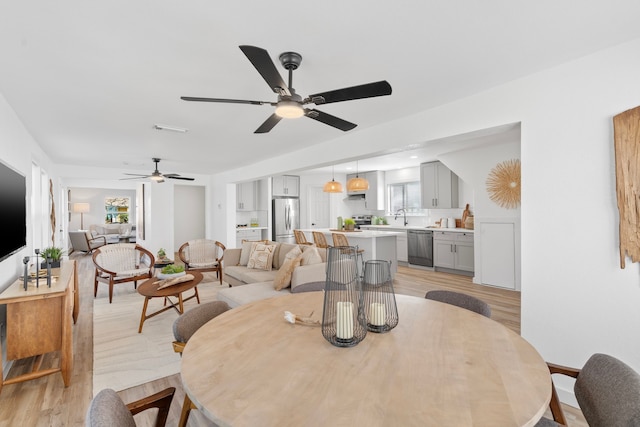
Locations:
440 366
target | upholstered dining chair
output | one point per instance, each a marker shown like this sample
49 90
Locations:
83 241
120 263
183 328
301 239
319 239
461 300
108 410
202 255
189 322
607 391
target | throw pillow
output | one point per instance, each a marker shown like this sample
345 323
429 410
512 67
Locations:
283 276
261 256
245 252
310 256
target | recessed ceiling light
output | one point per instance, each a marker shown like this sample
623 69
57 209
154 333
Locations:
171 128
414 157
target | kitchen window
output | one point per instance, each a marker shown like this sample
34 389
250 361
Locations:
116 210
404 195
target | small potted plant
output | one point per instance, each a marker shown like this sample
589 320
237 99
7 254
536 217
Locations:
349 224
53 253
161 254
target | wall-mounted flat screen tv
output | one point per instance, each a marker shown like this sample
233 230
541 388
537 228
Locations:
13 211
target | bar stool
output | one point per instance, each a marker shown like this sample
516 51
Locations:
340 239
319 239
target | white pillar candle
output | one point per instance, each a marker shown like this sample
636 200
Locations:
344 320
377 314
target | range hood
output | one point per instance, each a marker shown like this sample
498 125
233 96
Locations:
355 196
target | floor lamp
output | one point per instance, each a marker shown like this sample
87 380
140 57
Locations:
81 208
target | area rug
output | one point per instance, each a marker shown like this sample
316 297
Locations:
122 357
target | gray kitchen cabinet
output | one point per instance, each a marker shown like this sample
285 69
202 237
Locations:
246 196
285 186
373 197
453 250
439 186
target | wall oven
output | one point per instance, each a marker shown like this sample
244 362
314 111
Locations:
420 247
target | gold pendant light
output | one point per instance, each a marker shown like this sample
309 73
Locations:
332 186
357 183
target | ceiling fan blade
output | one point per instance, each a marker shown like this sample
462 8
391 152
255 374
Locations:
185 178
268 124
262 62
330 120
228 101
135 177
368 90
137 174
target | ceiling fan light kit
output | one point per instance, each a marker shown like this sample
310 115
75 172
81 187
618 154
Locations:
291 105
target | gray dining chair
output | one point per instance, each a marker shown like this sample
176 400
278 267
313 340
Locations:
607 391
461 300
108 410
183 328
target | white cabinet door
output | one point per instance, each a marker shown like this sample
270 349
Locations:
464 256
439 186
402 251
246 196
286 186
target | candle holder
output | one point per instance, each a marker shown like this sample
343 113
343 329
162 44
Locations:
343 321
379 299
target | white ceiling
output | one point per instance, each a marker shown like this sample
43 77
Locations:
90 79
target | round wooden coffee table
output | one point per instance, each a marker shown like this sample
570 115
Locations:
149 289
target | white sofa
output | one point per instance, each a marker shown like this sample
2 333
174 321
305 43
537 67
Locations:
112 232
248 284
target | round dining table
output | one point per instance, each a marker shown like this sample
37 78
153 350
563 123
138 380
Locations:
440 366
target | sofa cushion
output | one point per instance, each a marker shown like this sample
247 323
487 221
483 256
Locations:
246 251
261 257
310 255
281 253
239 295
308 287
246 275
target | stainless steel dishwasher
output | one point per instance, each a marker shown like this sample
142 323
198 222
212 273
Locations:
420 247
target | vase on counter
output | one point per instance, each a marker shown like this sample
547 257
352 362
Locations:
340 224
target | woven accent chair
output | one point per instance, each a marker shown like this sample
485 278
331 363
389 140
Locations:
108 410
607 391
83 241
183 328
461 300
319 239
202 255
120 263
301 239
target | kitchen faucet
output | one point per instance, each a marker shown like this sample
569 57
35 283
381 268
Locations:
404 212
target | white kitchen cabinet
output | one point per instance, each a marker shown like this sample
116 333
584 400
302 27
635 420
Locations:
246 196
439 186
453 250
247 234
374 197
286 186
402 250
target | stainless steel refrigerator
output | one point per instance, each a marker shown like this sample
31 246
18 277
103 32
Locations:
285 218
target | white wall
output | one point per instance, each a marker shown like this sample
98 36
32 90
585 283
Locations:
188 214
575 298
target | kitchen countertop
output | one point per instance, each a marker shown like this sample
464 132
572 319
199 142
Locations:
364 234
412 227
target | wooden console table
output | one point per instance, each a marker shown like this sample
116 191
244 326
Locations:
39 321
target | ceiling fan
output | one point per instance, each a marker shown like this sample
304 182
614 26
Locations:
290 104
157 176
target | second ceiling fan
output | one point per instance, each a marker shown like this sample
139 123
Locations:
290 104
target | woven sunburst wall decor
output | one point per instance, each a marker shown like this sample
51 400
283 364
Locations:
503 184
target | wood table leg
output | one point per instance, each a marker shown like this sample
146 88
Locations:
144 313
187 406
180 303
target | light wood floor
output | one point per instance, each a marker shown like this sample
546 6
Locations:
46 402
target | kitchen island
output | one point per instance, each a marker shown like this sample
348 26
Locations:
379 245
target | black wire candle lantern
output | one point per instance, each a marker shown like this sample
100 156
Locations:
343 321
381 311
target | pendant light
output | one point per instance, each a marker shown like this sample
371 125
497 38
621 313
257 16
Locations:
357 183
332 186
